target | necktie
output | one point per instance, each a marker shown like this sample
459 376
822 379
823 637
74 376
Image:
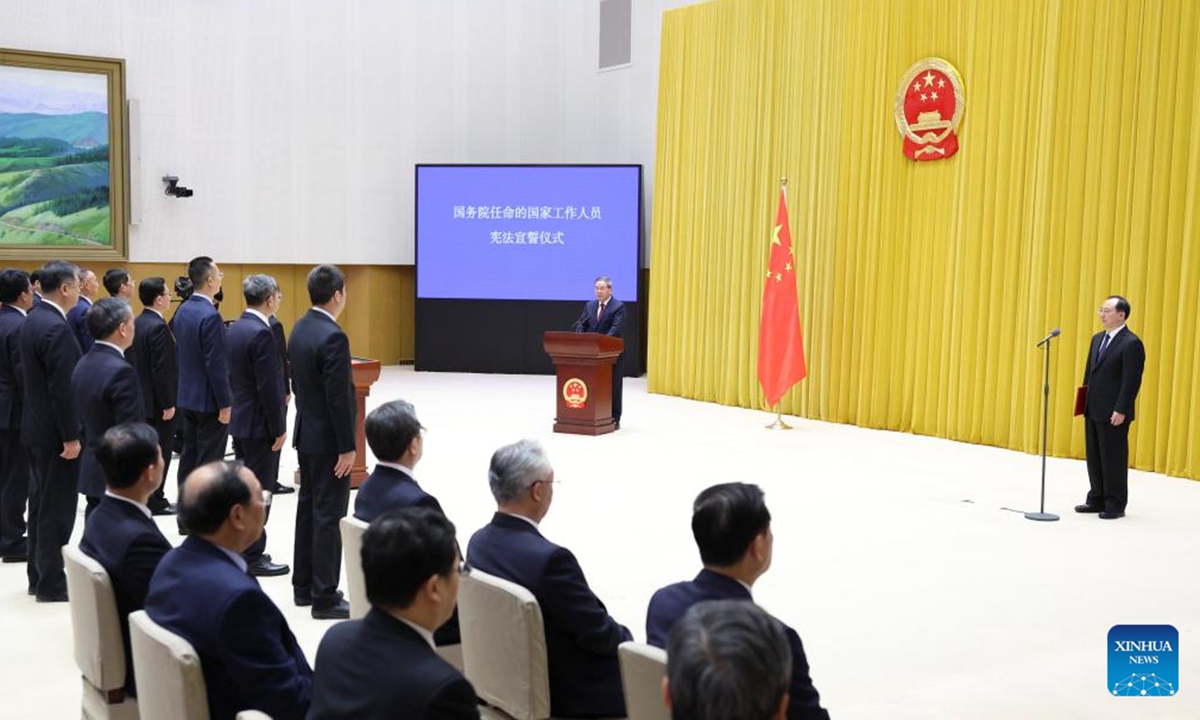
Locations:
600 311
1103 346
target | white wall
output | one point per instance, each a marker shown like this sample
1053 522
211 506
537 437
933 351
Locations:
298 122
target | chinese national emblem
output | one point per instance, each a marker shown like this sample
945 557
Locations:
575 392
929 108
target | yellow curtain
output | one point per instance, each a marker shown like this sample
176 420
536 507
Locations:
924 286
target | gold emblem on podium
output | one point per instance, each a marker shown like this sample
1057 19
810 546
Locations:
575 392
929 108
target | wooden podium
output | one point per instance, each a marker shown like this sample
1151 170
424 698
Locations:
365 373
583 364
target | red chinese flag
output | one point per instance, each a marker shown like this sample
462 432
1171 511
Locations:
780 342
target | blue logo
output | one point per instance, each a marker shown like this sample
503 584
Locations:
1143 661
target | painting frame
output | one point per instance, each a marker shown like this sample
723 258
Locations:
113 69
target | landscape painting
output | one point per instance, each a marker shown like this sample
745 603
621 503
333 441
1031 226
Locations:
60 175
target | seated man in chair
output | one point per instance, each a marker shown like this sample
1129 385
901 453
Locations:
385 665
581 637
202 592
727 659
120 534
397 439
732 527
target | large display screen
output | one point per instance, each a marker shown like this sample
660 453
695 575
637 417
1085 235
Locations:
527 232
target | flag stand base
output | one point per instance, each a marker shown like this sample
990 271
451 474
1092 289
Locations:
779 424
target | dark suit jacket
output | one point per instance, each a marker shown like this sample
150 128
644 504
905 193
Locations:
378 668
77 318
11 321
250 657
203 369
153 357
669 604
1114 379
106 393
129 545
326 410
608 324
581 637
388 489
256 379
281 340
49 351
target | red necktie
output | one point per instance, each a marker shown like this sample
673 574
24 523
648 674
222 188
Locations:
600 311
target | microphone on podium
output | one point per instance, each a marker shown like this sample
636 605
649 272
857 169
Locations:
1053 334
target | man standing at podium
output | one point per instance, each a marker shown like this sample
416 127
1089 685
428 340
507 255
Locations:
605 315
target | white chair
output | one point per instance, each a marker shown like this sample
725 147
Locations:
643 668
504 646
170 682
356 586
99 647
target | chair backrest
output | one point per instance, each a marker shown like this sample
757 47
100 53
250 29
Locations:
356 584
170 681
504 645
99 647
642 670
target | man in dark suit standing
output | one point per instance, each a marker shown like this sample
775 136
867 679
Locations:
119 283
605 315
1113 376
732 527
204 398
153 357
120 534
105 387
35 280
324 440
201 591
581 637
17 298
258 422
385 665
88 287
397 439
50 428
286 363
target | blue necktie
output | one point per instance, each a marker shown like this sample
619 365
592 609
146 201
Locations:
1103 346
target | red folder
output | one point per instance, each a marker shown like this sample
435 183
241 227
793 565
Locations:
1080 400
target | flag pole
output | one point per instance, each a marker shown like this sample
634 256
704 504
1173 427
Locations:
779 424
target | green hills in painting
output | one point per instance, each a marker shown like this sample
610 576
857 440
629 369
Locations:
54 179
86 129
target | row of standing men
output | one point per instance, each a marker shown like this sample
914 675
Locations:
70 369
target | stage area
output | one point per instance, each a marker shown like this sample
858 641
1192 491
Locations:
904 562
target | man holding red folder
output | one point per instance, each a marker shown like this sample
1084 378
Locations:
1112 378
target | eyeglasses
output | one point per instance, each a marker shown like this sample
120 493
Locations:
1105 310
266 496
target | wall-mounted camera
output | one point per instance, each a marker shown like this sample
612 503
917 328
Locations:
175 189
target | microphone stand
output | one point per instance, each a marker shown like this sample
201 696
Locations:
1043 515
